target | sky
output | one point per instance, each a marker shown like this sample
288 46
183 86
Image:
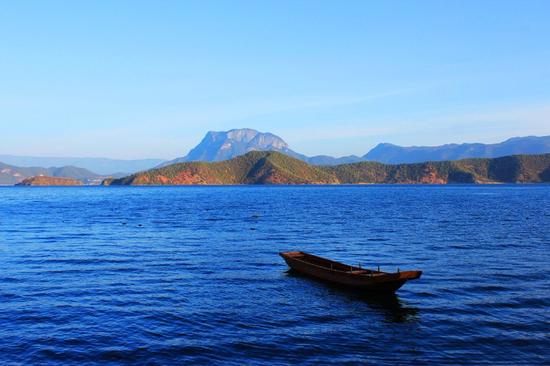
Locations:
147 79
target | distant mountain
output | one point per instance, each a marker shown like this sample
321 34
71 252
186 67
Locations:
393 154
10 175
224 145
329 160
103 166
276 168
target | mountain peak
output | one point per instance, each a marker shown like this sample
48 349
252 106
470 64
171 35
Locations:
244 135
240 134
225 145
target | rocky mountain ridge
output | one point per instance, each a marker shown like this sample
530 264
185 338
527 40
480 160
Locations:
225 145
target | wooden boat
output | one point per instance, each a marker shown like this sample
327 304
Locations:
346 275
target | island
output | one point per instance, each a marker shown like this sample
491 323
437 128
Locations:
49 181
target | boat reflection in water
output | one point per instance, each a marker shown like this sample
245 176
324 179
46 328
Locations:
375 288
393 309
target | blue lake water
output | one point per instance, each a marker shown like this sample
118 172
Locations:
167 275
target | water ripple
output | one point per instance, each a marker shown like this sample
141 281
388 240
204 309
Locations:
172 275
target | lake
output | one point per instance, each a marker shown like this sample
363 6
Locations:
167 275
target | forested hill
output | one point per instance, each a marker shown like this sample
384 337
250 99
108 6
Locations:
256 167
275 168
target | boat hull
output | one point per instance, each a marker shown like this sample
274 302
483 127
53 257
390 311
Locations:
347 276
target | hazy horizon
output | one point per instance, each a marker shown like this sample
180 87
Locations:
185 152
136 80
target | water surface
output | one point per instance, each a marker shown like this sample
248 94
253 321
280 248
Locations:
167 275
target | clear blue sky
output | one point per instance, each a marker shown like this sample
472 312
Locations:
136 79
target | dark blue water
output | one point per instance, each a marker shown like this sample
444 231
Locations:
191 274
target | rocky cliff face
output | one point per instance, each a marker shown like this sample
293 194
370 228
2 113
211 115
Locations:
225 145
50 181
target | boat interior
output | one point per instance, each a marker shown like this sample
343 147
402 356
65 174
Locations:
326 263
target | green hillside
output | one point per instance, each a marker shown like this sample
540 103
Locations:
275 168
253 168
508 169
